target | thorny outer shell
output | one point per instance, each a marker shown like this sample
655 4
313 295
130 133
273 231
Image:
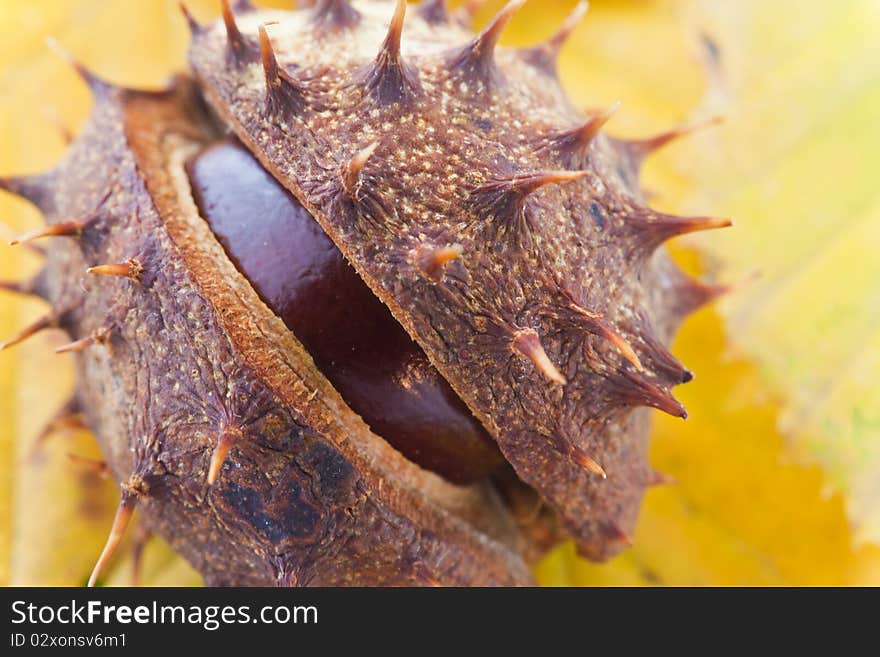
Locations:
308 495
456 158
550 324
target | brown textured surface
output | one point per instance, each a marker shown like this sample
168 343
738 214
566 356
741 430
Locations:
504 232
572 261
308 495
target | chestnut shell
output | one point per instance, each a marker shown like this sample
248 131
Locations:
550 324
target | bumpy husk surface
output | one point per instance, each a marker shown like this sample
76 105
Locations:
551 323
454 151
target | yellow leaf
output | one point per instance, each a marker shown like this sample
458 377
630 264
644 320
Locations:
785 373
798 164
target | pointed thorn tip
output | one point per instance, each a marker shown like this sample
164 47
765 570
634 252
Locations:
92 80
656 478
625 349
616 533
97 336
283 94
587 462
47 321
642 148
351 174
64 228
477 58
124 512
195 27
218 456
132 269
433 261
527 344
545 55
267 56
389 78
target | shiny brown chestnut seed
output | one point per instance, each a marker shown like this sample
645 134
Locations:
354 340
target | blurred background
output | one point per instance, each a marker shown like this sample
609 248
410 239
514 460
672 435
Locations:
778 467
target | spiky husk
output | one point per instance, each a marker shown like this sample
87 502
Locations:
503 230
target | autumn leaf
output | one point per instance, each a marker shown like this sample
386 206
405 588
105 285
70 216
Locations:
801 167
778 467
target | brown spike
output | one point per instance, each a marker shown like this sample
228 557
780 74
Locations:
707 293
655 478
624 347
520 186
505 197
433 12
98 336
78 345
395 30
36 189
239 48
662 400
69 228
639 149
221 450
433 261
195 28
69 422
476 60
34 287
616 534
664 363
127 503
9 234
352 170
687 295
335 15
389 79
45 322
96 84
545 55
16 286
585 461
654 228
692 294
632 388
131 268
283 94
599 325
527 344
529 183
696 294
572 145
98 467
270 64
